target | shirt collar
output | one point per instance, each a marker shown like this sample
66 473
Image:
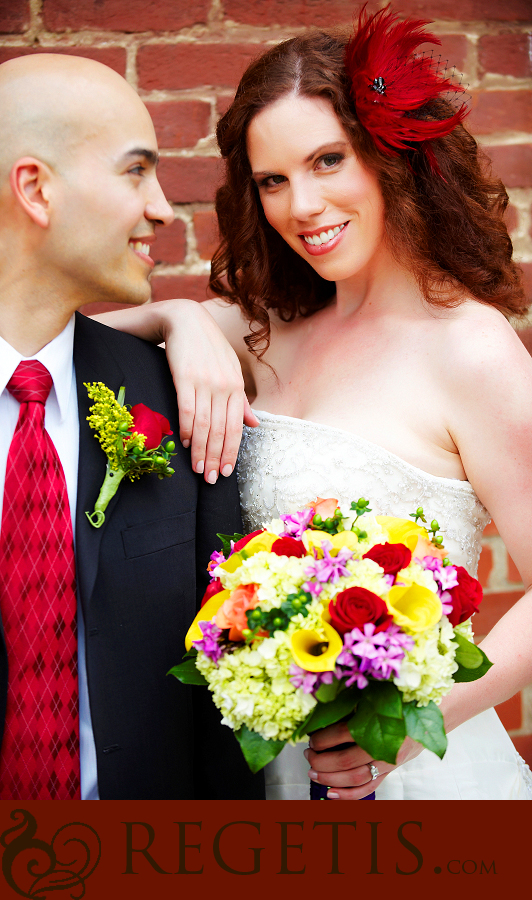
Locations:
57 356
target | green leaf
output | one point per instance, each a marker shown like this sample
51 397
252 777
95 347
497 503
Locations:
468 654
187 673
378 734
226 542
463 674
425 725
326 693
386 698
257 751
328 713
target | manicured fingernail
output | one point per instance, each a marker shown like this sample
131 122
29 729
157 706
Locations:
226 471
311 745
313 775
186 444
306 753
332 796
199 467
212 477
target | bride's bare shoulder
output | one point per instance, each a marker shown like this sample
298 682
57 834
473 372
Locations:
480 345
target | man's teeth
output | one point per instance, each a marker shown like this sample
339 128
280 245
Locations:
324 237
142 248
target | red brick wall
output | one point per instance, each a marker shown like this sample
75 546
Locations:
185 58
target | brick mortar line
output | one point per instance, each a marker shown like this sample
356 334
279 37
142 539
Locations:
237 32
498 576
198 267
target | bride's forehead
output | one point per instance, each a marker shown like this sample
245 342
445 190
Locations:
293 123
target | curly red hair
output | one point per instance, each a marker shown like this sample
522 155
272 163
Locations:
449 230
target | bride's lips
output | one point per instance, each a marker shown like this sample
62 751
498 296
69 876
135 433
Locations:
328 245
141 248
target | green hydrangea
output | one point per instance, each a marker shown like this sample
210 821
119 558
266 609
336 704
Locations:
427 669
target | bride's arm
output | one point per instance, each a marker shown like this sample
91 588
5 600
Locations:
207 377
491 381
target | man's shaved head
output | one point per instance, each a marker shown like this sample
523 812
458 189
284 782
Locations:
51 104
79 195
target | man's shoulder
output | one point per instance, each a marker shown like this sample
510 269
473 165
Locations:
90 332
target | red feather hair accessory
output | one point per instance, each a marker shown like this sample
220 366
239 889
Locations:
389 83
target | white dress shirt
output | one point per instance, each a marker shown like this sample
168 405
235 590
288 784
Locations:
62 424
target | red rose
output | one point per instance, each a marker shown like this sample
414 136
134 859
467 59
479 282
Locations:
391 557
356 606
466 597
288 546
152 424
244 540
214 588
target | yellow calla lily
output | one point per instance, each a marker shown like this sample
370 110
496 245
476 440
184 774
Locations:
402 531
414 608
316 651
233 563
314 539
206 613
264 541
343 539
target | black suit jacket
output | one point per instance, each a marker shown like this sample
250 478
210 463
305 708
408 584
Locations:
140 579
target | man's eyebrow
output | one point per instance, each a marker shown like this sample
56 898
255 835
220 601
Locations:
149 155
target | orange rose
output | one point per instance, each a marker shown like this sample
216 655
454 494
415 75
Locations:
427 548
232 613
325 508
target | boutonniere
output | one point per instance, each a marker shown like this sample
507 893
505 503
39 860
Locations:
130 438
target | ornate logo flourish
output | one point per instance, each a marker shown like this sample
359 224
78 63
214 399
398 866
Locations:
35 869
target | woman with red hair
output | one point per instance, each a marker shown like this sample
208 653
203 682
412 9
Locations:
366 280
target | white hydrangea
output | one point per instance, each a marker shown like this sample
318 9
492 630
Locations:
277 576
369 524
416 574
427 670
251 687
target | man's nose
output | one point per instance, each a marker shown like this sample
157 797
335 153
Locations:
157 208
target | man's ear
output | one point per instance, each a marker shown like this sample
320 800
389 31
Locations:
30 181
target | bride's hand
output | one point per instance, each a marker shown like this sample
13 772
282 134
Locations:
210 390
207 377
347 772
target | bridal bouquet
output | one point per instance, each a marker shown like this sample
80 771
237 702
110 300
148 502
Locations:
328 615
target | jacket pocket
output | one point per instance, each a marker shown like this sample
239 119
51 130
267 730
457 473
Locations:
150 537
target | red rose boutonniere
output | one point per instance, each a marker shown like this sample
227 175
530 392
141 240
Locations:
131 439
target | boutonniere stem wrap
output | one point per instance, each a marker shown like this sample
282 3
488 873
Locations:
132 440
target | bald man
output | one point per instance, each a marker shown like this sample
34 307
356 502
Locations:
79 207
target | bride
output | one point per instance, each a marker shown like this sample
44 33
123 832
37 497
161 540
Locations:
365 264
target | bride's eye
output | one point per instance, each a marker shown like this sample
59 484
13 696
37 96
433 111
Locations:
330 160
272 181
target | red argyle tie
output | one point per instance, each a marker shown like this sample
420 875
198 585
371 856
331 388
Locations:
40 751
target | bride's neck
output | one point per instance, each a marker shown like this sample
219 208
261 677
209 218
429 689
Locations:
386 288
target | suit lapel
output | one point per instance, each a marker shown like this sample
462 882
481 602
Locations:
93 362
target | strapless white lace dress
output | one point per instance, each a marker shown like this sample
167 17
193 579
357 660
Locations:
283 464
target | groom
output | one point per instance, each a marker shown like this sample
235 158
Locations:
80 203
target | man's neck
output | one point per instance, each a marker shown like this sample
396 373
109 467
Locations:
28 327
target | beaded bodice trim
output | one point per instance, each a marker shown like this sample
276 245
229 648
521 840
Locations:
286 462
